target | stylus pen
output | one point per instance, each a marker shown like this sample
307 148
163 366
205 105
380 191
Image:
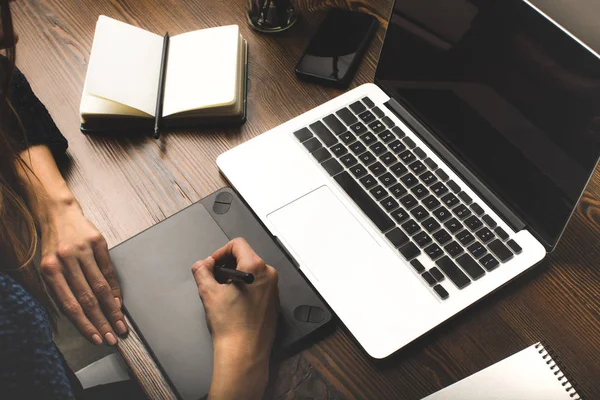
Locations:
222 274
161 86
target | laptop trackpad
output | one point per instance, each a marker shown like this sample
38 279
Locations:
328 240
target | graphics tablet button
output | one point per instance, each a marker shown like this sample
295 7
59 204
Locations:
301 313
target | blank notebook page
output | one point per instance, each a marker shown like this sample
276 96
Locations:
202 70
524 375
125 65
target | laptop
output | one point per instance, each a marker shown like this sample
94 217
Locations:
408 200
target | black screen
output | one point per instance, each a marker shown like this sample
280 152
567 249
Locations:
333 50
510 93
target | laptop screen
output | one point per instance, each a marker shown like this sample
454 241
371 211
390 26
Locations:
510 93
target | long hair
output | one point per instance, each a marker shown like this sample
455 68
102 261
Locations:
18 232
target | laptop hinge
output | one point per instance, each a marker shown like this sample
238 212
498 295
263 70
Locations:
475 183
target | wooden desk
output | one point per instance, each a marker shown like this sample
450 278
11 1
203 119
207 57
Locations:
126 185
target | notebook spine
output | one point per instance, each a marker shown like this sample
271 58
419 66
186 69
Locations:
557 368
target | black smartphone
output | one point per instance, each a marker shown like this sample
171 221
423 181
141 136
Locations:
334 53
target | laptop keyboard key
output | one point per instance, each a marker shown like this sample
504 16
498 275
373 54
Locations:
348 160
470 266
465 198
453 272
357 107
409 201
409 251
420 191
332 166
434 251
357 148
400 215
461 211
420 213
455 188
477 209
442 236
409 180
477 249
489 221
465 237
368 181
417 266
312 144
367 158
411 227
417 167
422 239
389 204
407 157
398 132
377 169
440 291
378 192
419 152
367 117
442 175
387 179
347 137
485 235
358 128
377 127
398 169
439 189
502 252
489 262
397 237
398 190
358 171
386 136
368 138
454 249
453 225
473 223
441 213
430 163
388 158
388 122
368 102
409 142
346 116
324 133
450 200
338 150
397 147
428 278
431 202
437 274
364 201
378 148
428 178
321 154
335 124
303 134
378 112
430 224
514 246
501 233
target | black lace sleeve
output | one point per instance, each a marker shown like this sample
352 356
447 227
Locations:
37 122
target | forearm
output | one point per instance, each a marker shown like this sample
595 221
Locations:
238 376
45 188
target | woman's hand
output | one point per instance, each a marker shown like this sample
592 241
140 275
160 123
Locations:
242 319
75 263
79 273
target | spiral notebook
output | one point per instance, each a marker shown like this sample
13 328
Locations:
531 374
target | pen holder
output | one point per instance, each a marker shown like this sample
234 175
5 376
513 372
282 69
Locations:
271 15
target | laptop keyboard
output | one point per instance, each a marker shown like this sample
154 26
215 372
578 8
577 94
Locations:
418 208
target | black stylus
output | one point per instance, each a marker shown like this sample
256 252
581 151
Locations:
222 274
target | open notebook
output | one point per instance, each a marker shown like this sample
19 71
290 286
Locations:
530 374
204 81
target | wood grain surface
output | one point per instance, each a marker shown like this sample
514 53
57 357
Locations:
127 184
